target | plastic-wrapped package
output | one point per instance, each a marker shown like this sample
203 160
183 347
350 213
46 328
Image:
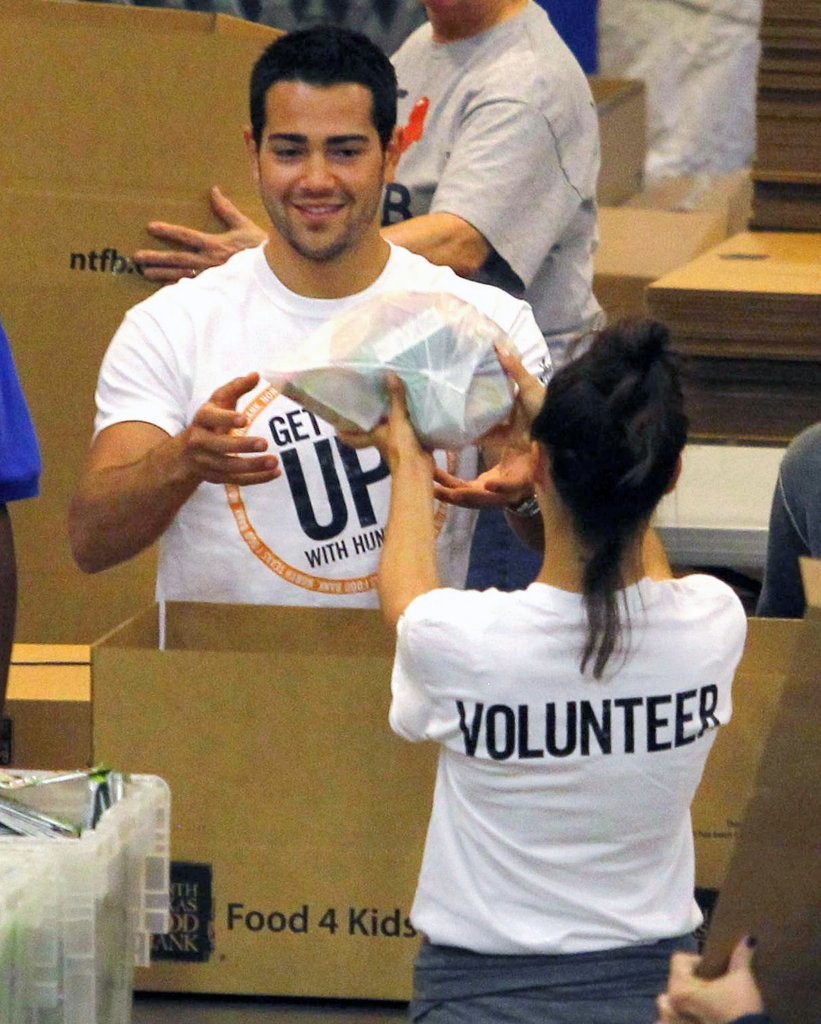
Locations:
442 347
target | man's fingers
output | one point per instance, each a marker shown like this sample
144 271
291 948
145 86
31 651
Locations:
169 265
178 234
163 275
227 396
229 214
441 476
240 470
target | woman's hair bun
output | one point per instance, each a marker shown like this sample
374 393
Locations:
644 343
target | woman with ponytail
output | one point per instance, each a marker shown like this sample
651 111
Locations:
574 717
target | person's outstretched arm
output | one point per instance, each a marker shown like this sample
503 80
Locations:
408 565
137 476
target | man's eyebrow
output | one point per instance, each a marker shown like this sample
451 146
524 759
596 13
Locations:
332 140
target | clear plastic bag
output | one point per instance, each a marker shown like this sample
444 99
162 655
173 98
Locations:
442 347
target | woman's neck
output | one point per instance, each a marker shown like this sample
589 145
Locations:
565 555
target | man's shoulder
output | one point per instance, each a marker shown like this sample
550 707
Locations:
419 40
412 272
214 285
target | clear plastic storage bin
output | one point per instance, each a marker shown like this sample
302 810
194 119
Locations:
77 912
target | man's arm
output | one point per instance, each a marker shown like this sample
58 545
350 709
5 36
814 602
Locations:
8 598
445 239
137 476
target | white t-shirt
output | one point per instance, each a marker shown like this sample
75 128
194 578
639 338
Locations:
314 535
561 815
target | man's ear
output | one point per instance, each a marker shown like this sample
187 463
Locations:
253 153
674 478
392 154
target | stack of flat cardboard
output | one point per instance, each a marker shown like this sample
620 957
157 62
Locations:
746 314
788 159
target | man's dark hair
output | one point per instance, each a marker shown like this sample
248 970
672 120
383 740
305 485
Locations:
323 56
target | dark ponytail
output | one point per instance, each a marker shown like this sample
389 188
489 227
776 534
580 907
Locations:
613 423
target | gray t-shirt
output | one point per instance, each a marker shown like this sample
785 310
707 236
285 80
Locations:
501 129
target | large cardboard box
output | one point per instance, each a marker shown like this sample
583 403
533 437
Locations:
773 885
745 313
728 781
728 194
622 108
638 246
660 228
298 818
47 721
110 116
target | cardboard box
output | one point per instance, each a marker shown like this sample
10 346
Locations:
622 108
661 228
111 116
773 884
298 818
638 246
728 781
47 720
727 194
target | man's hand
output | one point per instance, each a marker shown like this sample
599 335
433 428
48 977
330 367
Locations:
137 477
693 1000
214 447
198 250
507 483
507 449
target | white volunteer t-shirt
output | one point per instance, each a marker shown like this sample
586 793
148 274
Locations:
561 815
314 535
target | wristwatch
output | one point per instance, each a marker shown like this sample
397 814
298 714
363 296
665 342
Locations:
527 508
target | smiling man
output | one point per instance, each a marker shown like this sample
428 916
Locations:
252 497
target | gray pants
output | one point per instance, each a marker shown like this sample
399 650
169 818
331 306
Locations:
619 986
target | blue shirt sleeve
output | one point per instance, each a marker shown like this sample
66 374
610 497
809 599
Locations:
20 464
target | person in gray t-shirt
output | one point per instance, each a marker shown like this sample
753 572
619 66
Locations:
795 527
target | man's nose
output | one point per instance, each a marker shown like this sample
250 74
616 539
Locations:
318 172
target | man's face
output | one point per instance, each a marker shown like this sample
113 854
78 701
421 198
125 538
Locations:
320 168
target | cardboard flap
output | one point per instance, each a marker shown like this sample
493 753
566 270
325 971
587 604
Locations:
773 885
255 629
811 577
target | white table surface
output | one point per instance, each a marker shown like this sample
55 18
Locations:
719 513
